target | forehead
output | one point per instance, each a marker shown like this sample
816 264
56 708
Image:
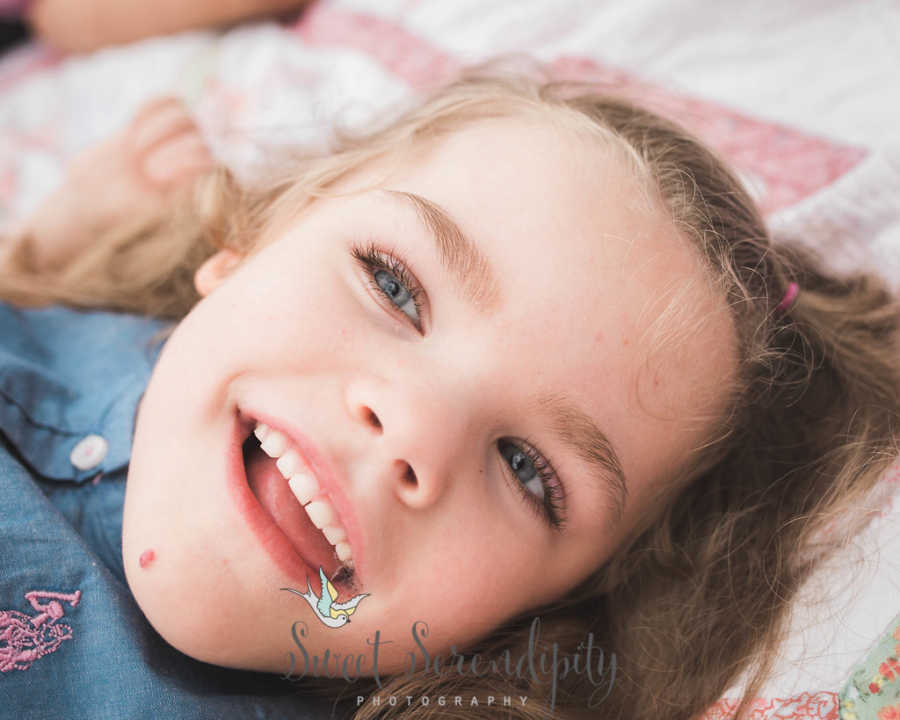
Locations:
599 297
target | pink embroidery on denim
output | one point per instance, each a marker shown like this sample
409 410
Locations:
24 639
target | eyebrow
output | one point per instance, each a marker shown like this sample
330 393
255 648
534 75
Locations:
579 431
462 259
460 256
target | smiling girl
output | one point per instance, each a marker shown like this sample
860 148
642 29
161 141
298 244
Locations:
527 351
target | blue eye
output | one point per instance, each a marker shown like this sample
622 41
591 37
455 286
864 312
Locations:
535 479
389 278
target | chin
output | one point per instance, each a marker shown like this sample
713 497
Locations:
173 608
196 621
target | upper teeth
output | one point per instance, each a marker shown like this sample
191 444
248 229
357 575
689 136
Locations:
305 487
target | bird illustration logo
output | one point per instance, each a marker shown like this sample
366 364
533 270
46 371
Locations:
331 613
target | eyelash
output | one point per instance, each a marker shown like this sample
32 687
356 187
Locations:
371 259
550 509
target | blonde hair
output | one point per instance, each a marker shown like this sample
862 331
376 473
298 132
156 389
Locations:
700 591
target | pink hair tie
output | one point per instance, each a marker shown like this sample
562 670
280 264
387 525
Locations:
789 296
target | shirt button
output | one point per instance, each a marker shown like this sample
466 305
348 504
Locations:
89 452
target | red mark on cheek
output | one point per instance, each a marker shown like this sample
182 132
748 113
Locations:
146 558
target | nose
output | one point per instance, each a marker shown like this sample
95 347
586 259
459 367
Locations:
410 433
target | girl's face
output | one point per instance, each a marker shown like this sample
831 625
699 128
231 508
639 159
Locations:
456 354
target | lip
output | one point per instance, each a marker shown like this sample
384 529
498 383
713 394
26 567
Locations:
325 475
270 536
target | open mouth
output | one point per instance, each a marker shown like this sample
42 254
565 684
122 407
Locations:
287 522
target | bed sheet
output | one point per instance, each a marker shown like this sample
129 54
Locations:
802 97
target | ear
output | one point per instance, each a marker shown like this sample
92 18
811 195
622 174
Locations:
214 270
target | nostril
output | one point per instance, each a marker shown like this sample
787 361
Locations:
410 475
372 418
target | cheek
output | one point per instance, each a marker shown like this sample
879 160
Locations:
301 299
464 586
466 603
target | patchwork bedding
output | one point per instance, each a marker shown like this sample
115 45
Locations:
802 98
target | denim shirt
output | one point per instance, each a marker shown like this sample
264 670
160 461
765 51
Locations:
73 642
